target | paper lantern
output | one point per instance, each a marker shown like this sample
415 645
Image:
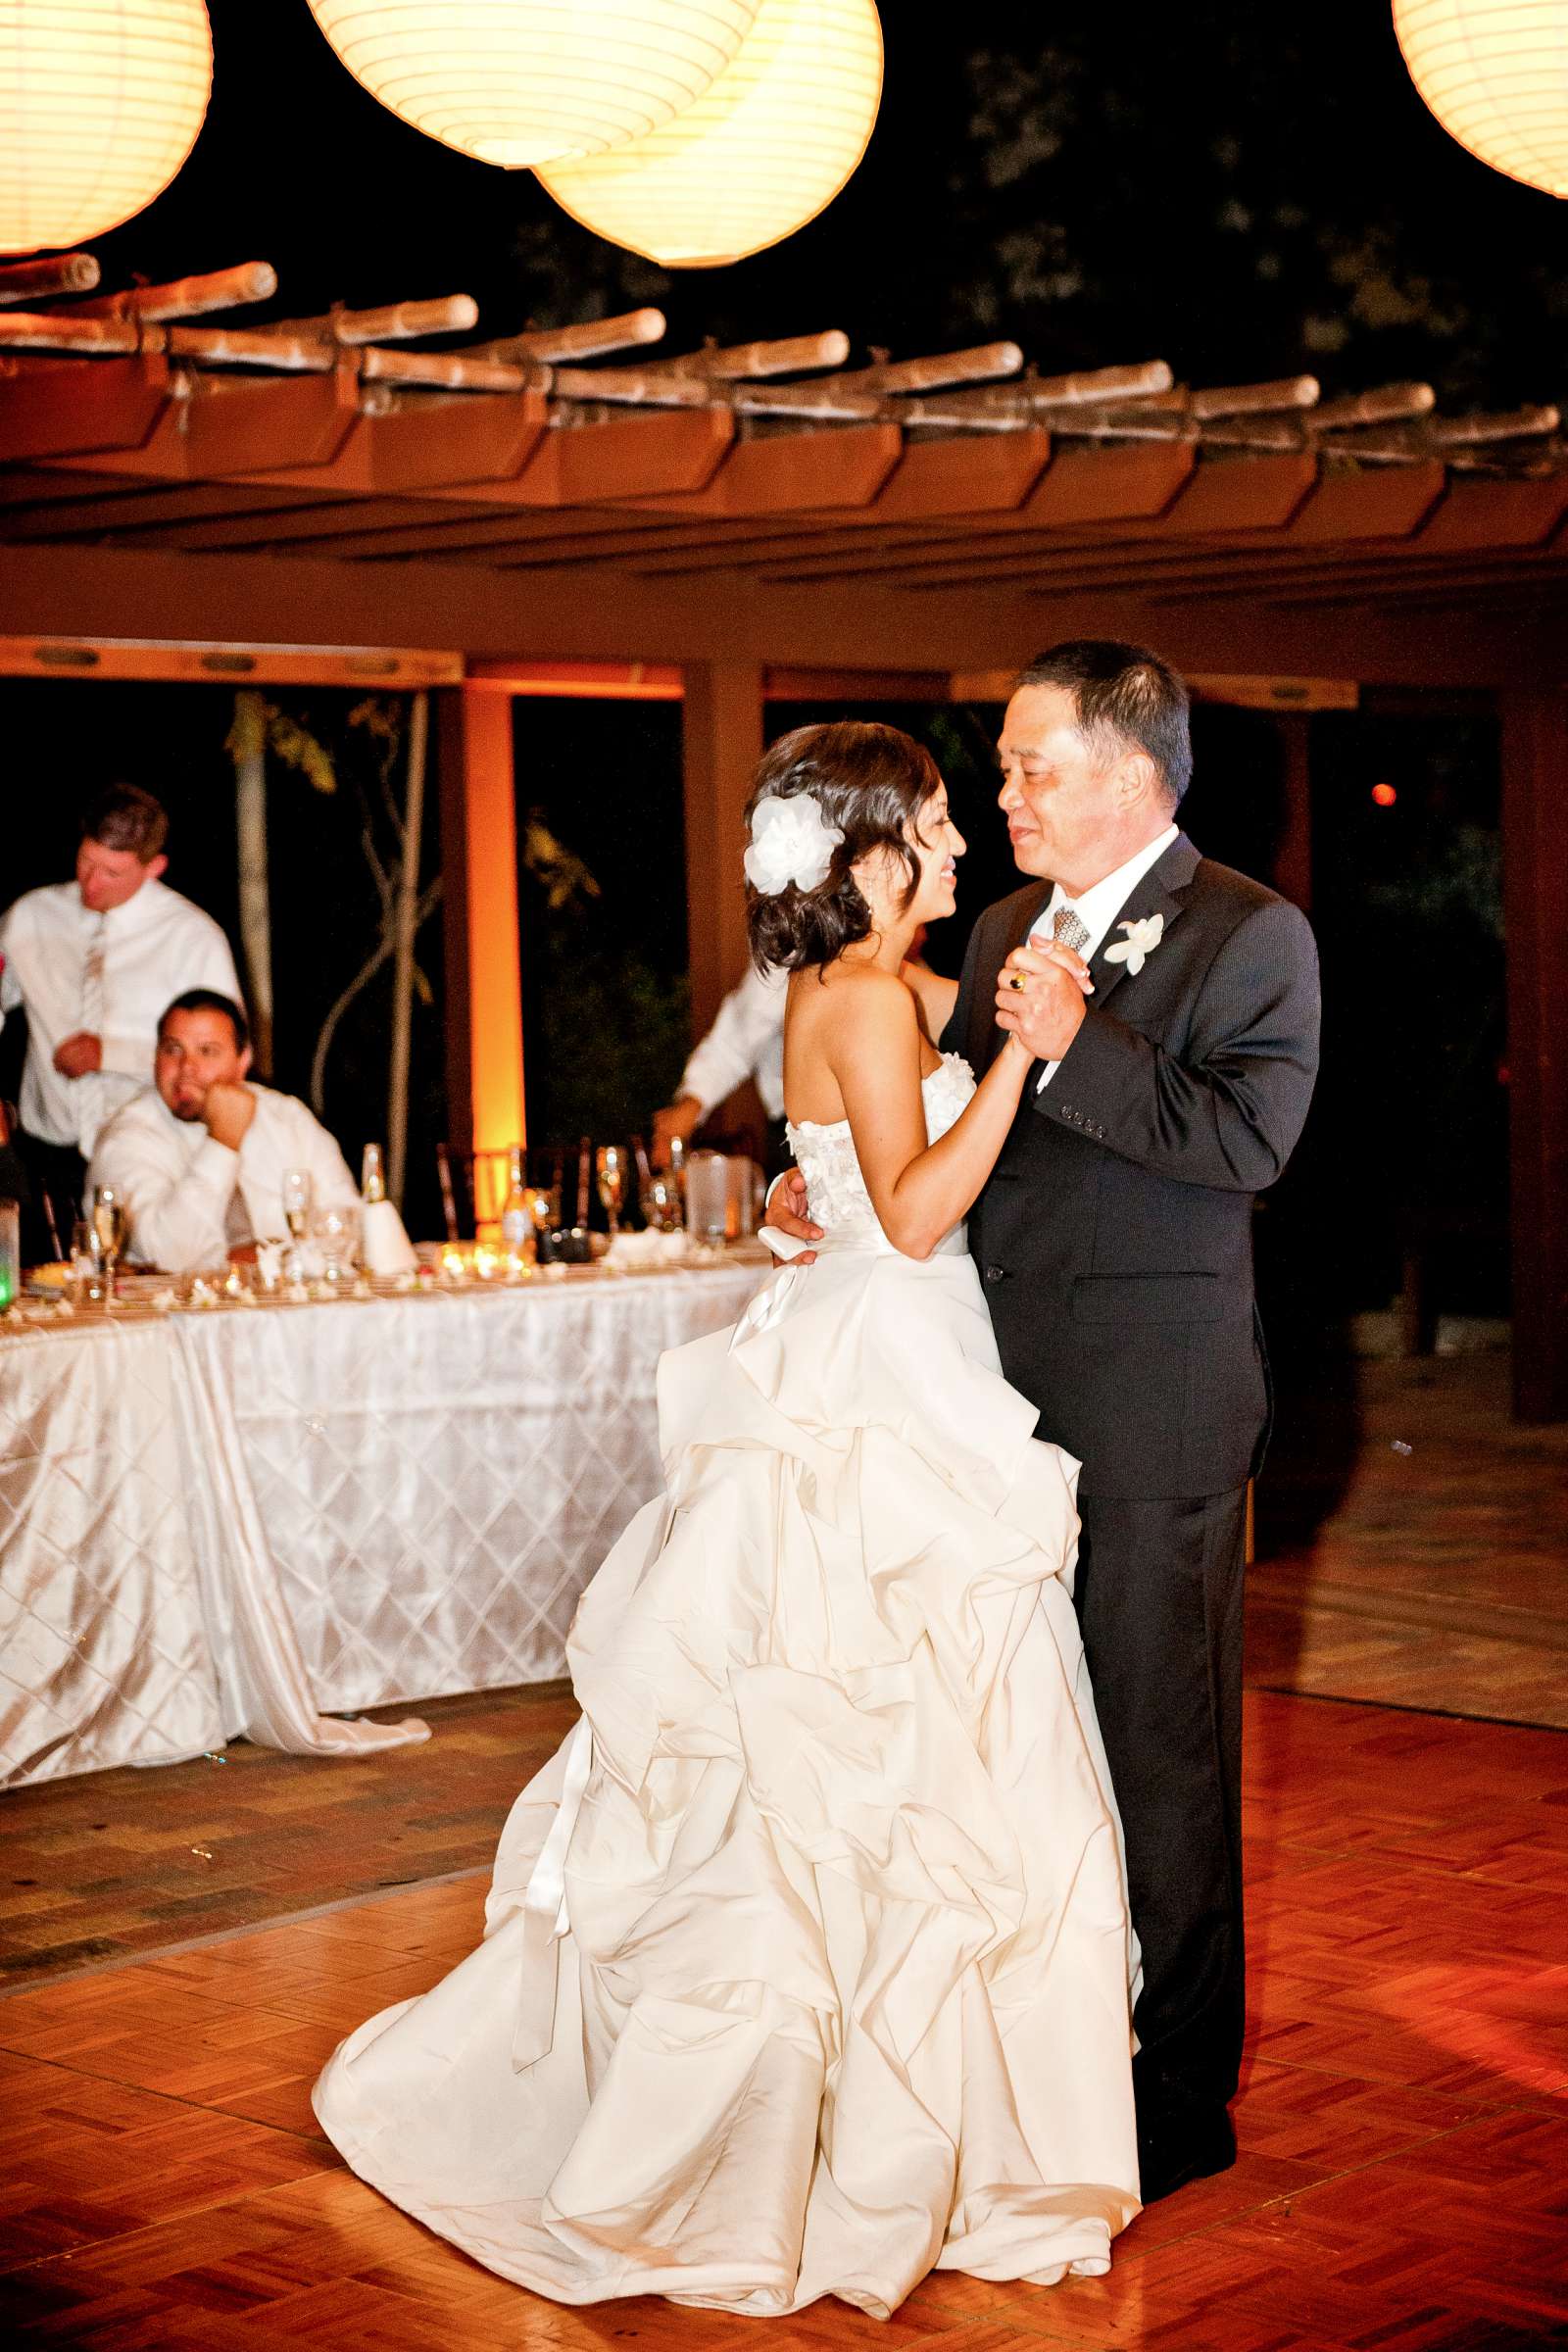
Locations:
757 156
525 82
100 103
1496 75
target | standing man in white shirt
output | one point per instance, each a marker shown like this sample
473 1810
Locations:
199 1159
746 1040
93 962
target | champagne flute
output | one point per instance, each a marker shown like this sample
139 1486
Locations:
109 1231
610 1167
299 1198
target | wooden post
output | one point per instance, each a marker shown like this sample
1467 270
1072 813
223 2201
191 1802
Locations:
479 861
1535 853
407 923
722 742
1292 863
250 833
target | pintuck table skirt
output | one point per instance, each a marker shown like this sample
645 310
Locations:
253 1521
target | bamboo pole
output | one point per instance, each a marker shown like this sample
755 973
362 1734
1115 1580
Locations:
60 274
731 362
250 826
445 371
978 365
406 916
548 346
251 347
188 296
1388 404
62 330
393 323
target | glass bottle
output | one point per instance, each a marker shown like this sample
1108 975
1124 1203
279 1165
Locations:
373 1181
516 1212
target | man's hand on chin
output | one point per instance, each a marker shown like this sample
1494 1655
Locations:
227 1113
1040 998
80 1055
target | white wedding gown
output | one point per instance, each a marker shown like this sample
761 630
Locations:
806 1960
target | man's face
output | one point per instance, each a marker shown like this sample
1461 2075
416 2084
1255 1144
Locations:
1063 814
107 877
196 1051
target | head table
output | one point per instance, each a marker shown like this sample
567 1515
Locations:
254 1519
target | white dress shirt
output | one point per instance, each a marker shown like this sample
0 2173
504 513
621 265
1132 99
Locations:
189 1198
1097 909
154 948
746 1040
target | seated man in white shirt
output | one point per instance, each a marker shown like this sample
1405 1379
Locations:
93 962
199 1159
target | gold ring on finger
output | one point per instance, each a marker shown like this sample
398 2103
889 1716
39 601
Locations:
1018 982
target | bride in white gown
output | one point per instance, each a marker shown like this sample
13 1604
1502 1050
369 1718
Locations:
806 1961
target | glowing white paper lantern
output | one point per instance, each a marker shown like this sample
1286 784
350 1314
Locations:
1496 75
100 103
525 82
770 144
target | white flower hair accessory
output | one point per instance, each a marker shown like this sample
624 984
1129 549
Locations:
792 841
1142 940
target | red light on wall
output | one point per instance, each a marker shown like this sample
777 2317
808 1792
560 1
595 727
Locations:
1384 795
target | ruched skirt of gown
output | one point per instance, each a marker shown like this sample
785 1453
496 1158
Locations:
806 1959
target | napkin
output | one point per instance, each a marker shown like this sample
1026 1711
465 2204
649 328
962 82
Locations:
383 1243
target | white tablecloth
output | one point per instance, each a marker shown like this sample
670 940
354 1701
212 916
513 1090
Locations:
228 1522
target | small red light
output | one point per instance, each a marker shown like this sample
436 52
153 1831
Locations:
1384 795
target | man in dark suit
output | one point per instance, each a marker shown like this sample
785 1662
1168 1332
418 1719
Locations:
1114 1242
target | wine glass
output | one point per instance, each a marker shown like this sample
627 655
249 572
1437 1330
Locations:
299 1198
109 1231
610 1167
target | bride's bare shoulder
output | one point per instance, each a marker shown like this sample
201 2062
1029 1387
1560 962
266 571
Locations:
838 1018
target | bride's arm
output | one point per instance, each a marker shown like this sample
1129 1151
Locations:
935 996
918 1190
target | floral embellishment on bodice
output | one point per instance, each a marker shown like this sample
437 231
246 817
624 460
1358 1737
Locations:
824 1153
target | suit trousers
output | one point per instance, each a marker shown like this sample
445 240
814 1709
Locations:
1159 1602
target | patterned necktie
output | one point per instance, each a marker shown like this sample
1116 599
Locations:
92 981
1070 928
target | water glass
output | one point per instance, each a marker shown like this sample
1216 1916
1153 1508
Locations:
336 1231
86 1275
707 1196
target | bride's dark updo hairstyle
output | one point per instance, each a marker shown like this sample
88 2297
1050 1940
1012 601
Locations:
868 780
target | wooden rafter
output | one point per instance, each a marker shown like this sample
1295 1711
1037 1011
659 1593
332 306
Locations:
151 416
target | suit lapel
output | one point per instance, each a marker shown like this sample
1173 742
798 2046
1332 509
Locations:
1162 891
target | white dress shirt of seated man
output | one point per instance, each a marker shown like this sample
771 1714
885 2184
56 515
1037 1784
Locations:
199 1159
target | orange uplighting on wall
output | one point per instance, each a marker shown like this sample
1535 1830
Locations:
1384 795
100 103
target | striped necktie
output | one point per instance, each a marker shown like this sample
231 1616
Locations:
92 980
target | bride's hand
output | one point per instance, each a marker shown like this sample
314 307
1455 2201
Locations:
785 1210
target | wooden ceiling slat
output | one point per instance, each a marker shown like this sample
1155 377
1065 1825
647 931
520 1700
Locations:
779 475
432 444
1487 512
60 407
132 514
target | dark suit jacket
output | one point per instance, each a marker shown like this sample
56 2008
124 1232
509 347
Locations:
1114 1235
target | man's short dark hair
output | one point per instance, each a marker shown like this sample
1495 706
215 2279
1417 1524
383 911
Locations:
125 817
210 1000
1125 695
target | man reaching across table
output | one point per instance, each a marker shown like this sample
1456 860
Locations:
199 1159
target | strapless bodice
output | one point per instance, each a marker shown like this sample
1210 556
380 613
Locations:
824 1153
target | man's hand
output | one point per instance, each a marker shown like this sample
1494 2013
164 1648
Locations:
786 1208
1040 996
227 1113
80 1055
676 1124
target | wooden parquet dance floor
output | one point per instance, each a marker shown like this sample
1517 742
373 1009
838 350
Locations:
1403 2184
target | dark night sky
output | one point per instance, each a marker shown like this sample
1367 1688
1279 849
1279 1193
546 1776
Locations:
1243 192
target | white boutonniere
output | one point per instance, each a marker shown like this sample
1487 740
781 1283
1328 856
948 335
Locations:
1142 940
